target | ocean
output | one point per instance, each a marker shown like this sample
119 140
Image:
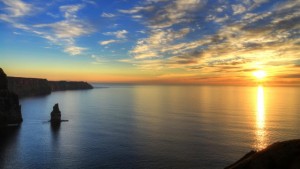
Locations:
151 126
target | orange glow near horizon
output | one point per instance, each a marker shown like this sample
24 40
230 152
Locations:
133 76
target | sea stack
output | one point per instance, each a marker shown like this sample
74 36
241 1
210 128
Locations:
10 109
55 114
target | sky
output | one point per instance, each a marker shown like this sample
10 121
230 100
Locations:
152 41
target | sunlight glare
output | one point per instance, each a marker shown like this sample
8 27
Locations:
260 119
260 74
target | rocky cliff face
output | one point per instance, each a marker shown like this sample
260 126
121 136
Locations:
28 86
10 109
25 87
279 155
64 85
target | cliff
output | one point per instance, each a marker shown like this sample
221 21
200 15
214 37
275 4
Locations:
279 155
28 86
64 85
10 109
25 87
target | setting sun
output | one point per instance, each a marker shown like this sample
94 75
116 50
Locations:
260 74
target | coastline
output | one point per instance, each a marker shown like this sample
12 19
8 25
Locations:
26 87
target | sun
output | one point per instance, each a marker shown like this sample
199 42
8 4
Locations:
260 74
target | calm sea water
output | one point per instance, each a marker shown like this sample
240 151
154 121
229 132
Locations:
151 127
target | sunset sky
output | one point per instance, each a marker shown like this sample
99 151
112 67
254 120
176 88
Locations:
152 41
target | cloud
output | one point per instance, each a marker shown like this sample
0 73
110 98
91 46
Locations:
238 9
89 2
107 15
74 50
108 42
191 35
217 19
136 9
239 43
52 15
297 76
65 32
67 28
17 8
153 64
158 42
257 3
98 59
118 34
62 33
141 31
164 14
70 10
179 11
219 9
137 16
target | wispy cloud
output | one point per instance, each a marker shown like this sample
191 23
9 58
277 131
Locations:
158 43
70 10
136 9
17 8
107 15
164 14
121 34
52 15
67 29
98 59
238 9
92 2
106 42
61 33
74 50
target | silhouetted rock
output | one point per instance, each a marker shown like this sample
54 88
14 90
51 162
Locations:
279 155
24 87
10 109
65 85
55 114
3 80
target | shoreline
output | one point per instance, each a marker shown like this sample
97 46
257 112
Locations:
27 87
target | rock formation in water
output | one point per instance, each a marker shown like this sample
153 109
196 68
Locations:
279 155
10 109
55 114
25 87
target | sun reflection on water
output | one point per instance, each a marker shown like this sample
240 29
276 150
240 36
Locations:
260 119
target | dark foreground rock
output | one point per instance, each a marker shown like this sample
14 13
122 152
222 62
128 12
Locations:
280 155
10 109
55 114
25 87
